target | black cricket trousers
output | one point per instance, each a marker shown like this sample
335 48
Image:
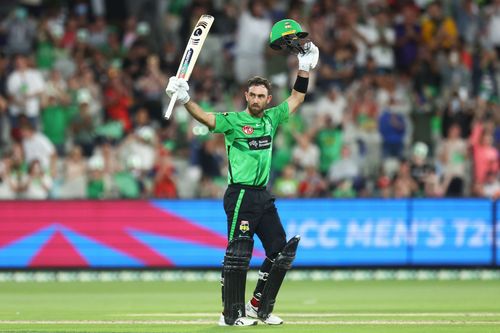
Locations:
250 210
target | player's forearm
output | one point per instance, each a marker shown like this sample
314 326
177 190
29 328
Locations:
299 91
197 112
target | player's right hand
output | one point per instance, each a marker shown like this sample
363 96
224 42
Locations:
309 60
179 86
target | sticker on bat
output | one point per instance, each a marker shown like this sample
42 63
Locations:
185 62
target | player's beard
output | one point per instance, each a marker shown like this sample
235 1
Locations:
256 110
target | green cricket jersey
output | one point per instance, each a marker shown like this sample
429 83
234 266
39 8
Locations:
249 143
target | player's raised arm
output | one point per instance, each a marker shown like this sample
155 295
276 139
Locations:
287 35
181 87
307 61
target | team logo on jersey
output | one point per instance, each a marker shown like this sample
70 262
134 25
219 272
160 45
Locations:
244 226
247 129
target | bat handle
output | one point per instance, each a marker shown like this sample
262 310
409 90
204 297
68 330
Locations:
170 107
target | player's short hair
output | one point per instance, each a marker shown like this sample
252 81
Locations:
259 81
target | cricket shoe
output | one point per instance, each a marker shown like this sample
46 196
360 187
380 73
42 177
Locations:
271 319
241 321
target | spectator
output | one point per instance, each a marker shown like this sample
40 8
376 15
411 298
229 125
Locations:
135 62
453 156
141 145
89 86
329 139
251 39
427 78
24 87
344 189
408 37
209 160
20 32
484 82
305 153
384 186
129 182
142 119
332 105
493 25
379 38
287 185
151 87
68 39
312 185
389 77
404 185
346 168
55 122
15 173
4 137
39 183
98 36
83 126
392 129
118 99
337 65
459 112
164 184
439 32
99 184
421 171
457 71
468 20
75 175
37 147
45 48
491 186
130 33
106 150
365 111
6 191
484 154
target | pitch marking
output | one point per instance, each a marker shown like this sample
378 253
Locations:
214 322
327 315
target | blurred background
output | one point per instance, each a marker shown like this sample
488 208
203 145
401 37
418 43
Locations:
402 109
404 102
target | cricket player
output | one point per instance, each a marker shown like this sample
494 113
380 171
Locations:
249 207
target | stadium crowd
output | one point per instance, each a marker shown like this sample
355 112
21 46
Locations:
404 103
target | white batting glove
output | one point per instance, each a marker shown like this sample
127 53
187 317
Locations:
179 86
309 60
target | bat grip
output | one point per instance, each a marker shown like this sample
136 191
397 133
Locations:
170 107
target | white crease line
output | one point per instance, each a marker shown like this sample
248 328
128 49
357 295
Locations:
327 315
214 322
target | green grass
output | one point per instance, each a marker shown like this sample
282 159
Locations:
443 306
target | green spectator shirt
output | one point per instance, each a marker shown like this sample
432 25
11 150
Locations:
249 143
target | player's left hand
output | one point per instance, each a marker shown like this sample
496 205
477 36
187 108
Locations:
309 60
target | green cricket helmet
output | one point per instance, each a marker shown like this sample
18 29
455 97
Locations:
287 35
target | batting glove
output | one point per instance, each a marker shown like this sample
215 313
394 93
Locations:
179 86
309 60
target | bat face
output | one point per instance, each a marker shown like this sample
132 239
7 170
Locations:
191 53
194 46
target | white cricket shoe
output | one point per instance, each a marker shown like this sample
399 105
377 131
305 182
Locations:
271 319
241 321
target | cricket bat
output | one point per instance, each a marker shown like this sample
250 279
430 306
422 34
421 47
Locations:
191 53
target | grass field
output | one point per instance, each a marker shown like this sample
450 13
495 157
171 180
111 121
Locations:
315 306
